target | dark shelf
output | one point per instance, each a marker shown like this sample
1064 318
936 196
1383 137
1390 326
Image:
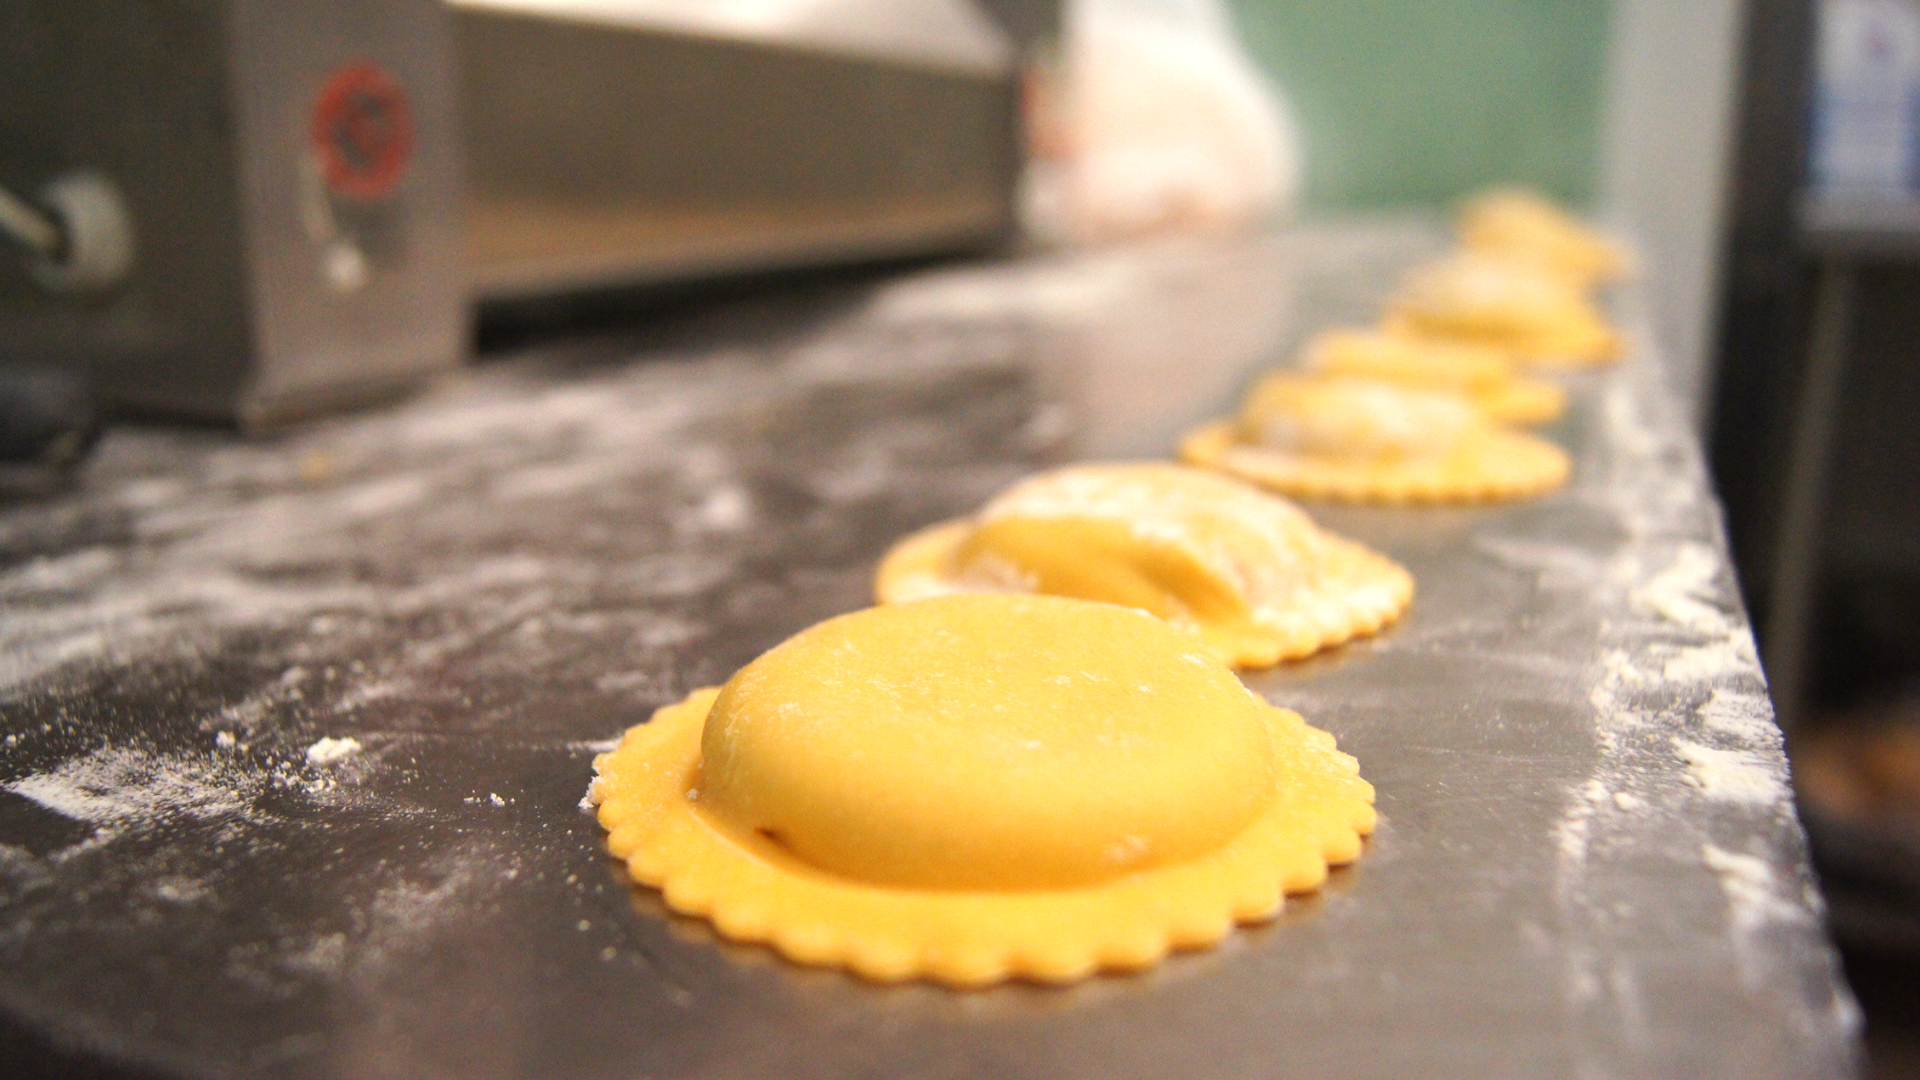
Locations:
1871 228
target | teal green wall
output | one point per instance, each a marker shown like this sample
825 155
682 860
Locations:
1415 102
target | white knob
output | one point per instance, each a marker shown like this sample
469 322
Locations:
97 231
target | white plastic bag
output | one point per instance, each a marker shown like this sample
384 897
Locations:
1159 122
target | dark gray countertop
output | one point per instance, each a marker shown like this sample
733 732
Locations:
1588 864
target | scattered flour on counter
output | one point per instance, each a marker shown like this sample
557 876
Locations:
1732 775
1753 897
1730 656
1571 834
726 509
181 890
665 631
392 926
115 786
207 554
368 692
1613 697
331 751
862 475
644 684
1683 593
325 956
1744 715
1687 750
377 498
1554 565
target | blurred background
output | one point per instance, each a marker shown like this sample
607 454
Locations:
1766 158
379 189
1420 102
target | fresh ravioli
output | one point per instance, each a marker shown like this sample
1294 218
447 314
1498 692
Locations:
1246 572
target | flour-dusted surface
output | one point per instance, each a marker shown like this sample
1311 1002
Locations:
294 735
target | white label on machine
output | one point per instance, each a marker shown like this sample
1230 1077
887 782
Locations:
1867 100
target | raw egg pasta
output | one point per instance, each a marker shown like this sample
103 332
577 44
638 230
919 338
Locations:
1247 573
974 788
1356 440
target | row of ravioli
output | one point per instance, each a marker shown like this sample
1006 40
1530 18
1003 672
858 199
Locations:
1032 759
1426 407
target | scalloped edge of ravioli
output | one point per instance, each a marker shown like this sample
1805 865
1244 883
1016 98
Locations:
754 889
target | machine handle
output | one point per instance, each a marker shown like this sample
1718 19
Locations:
83 242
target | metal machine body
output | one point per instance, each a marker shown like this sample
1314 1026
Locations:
602 154
303 200
289 176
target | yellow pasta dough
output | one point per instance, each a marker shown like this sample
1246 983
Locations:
1519 224
1481 372
974 788
1535 316
1246 572
1361 440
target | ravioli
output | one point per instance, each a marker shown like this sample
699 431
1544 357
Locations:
1518 224
1362 440
981 787
1535 316
1249 574
1481 372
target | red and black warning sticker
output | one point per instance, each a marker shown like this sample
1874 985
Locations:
363 131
